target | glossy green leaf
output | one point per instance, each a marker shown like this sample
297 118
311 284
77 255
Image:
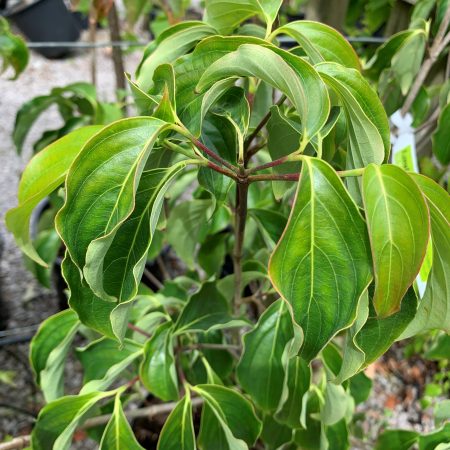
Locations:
206 310
283 138
102 182
118 433
48 352
47 244
321 42
178 430
43 174
108 318
441 137
13 50
396 440
186 226
171 44
226 15
270 223
115 268
274 435
318 275
110 360
267 348
58 420
290 74
368 132
377 334
434 308
211 255
398 222
384 53
430 441
235 414
297 382
157 372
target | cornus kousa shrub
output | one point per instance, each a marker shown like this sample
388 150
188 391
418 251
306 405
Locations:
293 245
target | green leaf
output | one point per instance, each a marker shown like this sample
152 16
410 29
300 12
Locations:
178 430
187 225
337 436
108 318
157 371
43 174
235 414
101 185
274 434
114 269
430 441
441 137
270 223
48 352
118 433
267 348
298 378
434 308
211 255
378 334
206 310
338 404
399 229
171 44
396 440
109 359
290 74
226 15
13 50
284 138
368 131
58 420
314 264
47 244
321 43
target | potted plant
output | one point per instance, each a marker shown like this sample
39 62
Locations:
281 157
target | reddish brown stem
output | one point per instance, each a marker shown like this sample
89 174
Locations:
139 330
274 163
272 177
214 155
219 169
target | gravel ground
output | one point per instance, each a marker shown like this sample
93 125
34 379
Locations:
392 403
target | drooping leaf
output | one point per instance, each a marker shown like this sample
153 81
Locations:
290 74
206 310
314 264
186 226
157 370
115 268
267 348
398 223
321 42
226 15
298 378
102 182
235 414
43 174
338 404
378 334
58 420
118 433
441 137
49 349
104 361
13 50
108 318
274 435
396 440
172 43
368 133
178 430
430 441
434 308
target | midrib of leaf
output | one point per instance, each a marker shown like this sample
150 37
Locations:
389 225
183 423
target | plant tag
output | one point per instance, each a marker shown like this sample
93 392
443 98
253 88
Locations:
404 155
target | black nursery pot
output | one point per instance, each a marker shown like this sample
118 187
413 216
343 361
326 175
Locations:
47 21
